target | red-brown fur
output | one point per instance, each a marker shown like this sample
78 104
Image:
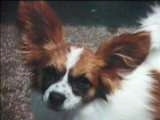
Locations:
128 45
156 94
128 52
32 13
41 27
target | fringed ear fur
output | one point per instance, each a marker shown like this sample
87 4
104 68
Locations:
122 54
125 51
41 30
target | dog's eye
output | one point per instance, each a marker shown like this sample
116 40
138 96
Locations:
84 82
80 85
50 75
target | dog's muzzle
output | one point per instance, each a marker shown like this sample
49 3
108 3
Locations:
56 100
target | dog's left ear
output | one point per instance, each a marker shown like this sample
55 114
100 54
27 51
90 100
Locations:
122 54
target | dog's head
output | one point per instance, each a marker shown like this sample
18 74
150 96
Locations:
70 75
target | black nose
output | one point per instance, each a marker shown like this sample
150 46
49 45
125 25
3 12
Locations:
56 99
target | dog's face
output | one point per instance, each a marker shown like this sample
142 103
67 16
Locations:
74 83
70 75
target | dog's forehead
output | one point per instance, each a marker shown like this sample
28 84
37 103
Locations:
87 64
73 56
64 57
77 60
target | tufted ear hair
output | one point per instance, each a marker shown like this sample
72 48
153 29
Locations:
122 54
41 30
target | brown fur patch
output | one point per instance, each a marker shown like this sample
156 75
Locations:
41 30
126 50
156 94
39 22
33 54
88 65
110 80
58 57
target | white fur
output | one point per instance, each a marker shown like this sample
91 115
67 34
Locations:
152 24
62 86
132 101
73 57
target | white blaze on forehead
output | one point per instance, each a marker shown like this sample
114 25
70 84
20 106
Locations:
63 86
73 57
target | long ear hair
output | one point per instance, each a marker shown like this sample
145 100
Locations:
122 55
126 50
41 30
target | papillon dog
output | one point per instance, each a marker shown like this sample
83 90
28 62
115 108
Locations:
119 81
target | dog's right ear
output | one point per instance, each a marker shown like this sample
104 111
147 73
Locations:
41 30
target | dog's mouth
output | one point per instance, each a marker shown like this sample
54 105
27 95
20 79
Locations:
55 106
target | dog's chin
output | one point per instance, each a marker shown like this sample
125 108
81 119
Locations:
60 108
55 108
